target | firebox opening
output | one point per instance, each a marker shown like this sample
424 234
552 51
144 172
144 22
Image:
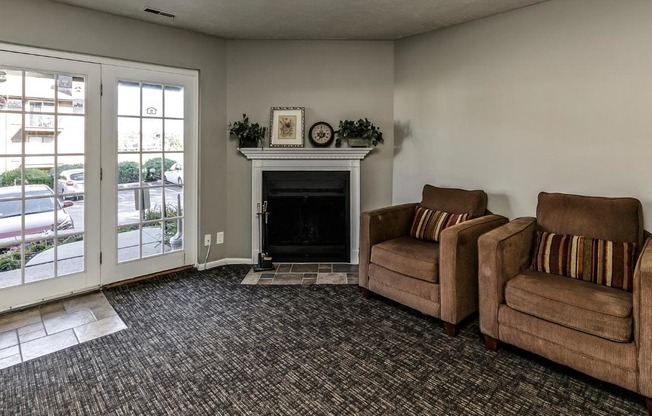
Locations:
309 218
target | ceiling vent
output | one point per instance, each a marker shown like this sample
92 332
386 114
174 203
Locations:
159 12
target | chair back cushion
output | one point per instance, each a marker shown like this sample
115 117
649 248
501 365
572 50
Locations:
455 201
612 219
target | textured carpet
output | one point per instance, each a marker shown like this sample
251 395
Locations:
201 343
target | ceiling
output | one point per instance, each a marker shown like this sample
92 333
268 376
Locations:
307 19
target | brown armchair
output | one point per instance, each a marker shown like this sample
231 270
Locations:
437 278
599 330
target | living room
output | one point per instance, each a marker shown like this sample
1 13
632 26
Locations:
546 97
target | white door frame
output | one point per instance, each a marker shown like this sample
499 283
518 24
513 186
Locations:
89 278
112 271
54 287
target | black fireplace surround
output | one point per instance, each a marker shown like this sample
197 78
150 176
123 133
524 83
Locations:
309 215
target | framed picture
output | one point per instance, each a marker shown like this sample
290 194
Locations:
286 127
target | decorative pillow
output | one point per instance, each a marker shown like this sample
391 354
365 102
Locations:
428 224
598 261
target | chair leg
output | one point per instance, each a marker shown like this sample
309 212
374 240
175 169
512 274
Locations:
648 403
451 329
365 292
490 343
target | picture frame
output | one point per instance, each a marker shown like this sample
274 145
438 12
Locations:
286 127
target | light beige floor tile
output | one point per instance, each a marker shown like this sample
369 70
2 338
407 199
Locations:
331 278
309 281
15 320
99 328
287 279
32 335
88 301
8 352
352 280
51 307
9 361
69 320
8 339
251 279
48 344
265 281
102 312
30 328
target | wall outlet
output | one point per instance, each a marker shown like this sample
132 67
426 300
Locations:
207 240
219 238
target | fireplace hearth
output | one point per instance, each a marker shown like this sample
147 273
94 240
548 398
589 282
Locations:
309 215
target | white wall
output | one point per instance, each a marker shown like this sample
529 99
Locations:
333 80
554 97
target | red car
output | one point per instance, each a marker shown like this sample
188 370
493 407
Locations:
40 206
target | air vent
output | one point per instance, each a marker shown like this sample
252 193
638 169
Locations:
159 12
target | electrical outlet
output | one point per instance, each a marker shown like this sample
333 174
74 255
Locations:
219 238
207 240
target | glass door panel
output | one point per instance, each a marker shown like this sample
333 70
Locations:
46 123
150 146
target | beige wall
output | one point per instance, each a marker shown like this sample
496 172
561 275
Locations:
333 80
56 26
554 97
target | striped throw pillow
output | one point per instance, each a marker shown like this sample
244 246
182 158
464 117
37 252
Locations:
598 261
428 224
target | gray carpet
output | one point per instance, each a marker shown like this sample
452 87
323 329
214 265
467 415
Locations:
200 343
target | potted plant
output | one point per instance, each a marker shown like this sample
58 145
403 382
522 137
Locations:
359 133
248 134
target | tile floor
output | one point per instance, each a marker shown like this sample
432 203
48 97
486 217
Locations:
305 274
44 329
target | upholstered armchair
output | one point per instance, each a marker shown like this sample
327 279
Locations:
573 285
437 278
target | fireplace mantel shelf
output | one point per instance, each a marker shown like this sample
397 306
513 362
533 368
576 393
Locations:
346 153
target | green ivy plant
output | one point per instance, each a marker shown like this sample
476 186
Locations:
248 134
361 129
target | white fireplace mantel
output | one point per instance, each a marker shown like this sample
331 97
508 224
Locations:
292 159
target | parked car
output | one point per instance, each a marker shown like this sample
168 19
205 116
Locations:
174 174
39 211
71 182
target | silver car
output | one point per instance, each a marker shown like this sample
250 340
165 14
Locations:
39 212
70 184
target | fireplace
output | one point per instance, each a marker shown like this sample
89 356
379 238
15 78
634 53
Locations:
309 215
306 160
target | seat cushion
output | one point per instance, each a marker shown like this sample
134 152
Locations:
409 256
593 309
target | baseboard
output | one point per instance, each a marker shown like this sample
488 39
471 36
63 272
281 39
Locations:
223 262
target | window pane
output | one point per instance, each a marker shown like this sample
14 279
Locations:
128 170
128 134
72 94
152 100
173 101
152 239
71 135
39 260
40 87
70 254
152 134
173 135
128 98
11 90
10 262
11 134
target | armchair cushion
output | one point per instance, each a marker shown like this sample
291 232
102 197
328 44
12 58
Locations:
613 219
598 261
596 310
428 224
457 201
406 255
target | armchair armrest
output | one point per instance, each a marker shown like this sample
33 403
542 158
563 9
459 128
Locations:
643 317
458 266
502 253
380 225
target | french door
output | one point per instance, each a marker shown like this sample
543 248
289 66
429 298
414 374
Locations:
49 180
95 187
149 176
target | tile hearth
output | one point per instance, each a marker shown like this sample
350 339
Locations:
305 274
